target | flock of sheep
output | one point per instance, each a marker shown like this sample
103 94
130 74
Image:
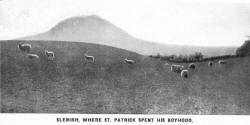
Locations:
27 47
50 54
184 72
174 67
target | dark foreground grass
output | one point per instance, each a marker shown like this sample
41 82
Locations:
69 84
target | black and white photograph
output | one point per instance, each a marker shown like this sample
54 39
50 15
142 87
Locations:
156 57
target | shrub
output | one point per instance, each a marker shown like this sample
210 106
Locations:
196 57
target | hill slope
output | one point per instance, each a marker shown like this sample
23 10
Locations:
69 84
93 29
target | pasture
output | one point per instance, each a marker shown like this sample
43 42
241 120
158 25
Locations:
70 84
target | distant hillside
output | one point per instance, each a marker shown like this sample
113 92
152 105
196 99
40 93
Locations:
70 84
244 50
93 29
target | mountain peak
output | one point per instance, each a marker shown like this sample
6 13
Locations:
79 21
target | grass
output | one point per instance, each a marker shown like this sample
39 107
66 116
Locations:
69 84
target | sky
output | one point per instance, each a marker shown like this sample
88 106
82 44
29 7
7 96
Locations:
182 22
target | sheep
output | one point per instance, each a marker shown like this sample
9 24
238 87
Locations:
222 62
24 47
87 57
176 68
191 66
129 61
50 54
210 63
32 56
166 64
184 73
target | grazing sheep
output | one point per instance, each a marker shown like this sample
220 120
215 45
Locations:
210 63
24 47
87 57
50 54
222 62
184 73
191 66
32 56
176 68
129 61
166 64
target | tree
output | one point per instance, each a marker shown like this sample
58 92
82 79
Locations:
244 49
197 56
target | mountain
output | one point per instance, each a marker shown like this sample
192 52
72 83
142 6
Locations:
93 29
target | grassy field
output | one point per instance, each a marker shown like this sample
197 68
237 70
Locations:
69 84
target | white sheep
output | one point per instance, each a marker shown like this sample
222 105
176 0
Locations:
222 62
32 56
129 61
24 47
184 73
87 57
191 66
176 68
210 63
166 64
50 54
